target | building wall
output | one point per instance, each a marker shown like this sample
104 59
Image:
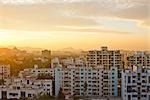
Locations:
4 71
105 57
58 79
113 74
139 58
136 84
87 81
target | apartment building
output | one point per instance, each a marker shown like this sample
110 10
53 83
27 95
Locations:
29 87
55 62
7 93
58 79
113 82
105 57
108 59
139 58
36 71
4 71
78 62
86 81
136 83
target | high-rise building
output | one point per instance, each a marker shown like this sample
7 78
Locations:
139 58
113 82
105 57
136 83
108 59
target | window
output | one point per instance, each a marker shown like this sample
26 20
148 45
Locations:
129 89
29 95
23 94
148 79
133 81
138 83
134 76
129 97
129 79
139 74
27 81
13 94
134 95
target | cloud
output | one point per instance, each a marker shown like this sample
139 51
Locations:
140 13
49 14
40 17
95 30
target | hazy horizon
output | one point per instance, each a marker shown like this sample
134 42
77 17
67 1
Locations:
80 24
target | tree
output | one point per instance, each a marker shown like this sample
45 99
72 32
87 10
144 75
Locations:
61 95
46 97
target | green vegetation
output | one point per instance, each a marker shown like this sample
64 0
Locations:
46 97
19 60
61 95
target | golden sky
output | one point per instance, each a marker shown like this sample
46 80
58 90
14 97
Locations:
81 24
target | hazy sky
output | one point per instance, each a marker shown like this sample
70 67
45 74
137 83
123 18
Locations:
81 24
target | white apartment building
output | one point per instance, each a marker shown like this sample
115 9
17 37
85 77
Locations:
136 83
78 62
18 93
78 79
4 71
108 59
86 81
26 87
35 71
104 57
139 58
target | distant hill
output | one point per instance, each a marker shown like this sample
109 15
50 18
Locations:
70 49
29 49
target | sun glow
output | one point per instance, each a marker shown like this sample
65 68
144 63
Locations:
4 38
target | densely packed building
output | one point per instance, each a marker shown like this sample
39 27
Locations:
102 73
79 81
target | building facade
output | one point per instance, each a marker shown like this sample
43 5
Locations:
86 81
108 59
139 58
136 83
28 87
105 57
4 71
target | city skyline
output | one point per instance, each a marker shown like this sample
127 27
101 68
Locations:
80 24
